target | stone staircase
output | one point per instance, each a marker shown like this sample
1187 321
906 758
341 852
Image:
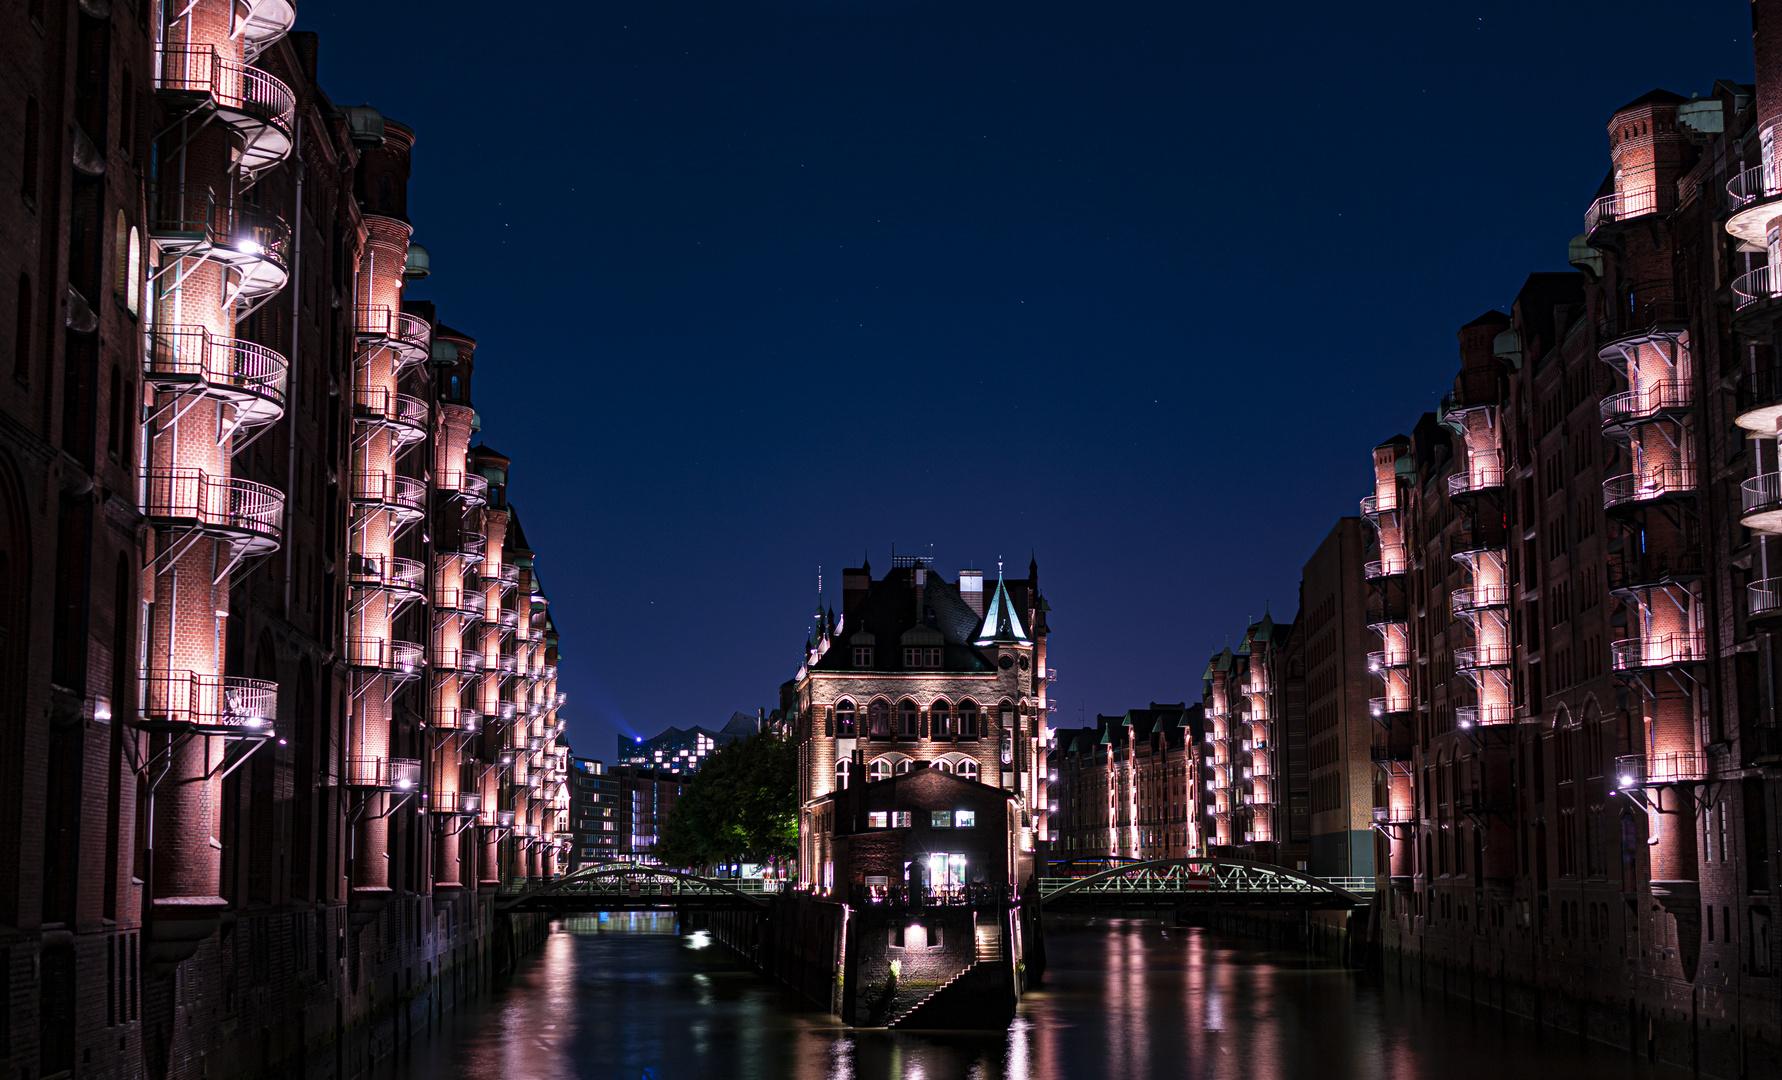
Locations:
930 1010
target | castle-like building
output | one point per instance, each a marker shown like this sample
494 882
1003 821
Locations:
920 672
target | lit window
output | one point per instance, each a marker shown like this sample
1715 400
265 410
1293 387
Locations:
904 766
878 769
943 765
940 719
842 770
878 819
903 819
964 819
940 819
968 769
844 718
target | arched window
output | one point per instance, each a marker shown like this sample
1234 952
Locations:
133 273
457 388
879 715
940 719
968 719
878 769
968 769
844 719
942 764
29 188
904 766
906 719
843 769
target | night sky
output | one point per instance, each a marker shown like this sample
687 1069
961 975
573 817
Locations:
759 286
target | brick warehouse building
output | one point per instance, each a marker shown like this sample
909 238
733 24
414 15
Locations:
287 712
921 672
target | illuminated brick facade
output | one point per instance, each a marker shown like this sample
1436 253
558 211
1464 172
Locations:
920 672
249 801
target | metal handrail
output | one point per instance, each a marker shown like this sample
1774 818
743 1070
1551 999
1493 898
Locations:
1474 657
1381 659
1661 650
1634 570
400 774
473 487
185 216
389 489
1752 286
1761 492
1654 482
228 703
191 353
1753 184
1480 595
385 654
1638 314
412 330
1483 471
215 502
470 601
1484 715
387 572
1673 767
1627 205
1650 401
200 69
1764 597
404 409
1381 568
510 575
456 718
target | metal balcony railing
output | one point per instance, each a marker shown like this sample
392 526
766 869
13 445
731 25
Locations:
1394 815
1639 570
1752 185
214 704
1381 659
195 221
402 658
472 602
260 107
1483 472
1663 398
249 376
403 494
405 416
1646 770
507 618
387 572
388 774
1657 651
457 718
1754 285
237 510
1478 657
498 819
1384 568
1761 493
1628 205
1641 315
1485 715
409 335
473 488
1372 507
1764 598
1476 597
463 544
1652 482
549 672
456 803
506 710
509 576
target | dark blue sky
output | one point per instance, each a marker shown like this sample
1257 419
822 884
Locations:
758 286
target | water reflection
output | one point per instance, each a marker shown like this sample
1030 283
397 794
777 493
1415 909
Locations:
626 998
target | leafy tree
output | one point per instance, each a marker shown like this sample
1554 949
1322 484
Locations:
741 806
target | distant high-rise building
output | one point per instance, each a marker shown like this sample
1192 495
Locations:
683 750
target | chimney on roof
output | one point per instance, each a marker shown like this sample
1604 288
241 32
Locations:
919 576
971 590
855 583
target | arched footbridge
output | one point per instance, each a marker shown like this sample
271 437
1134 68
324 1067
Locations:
628 886
1202 883
1163 883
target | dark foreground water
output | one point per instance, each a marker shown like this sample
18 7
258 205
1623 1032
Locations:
629 999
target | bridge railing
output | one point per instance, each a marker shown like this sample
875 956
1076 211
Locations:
898 896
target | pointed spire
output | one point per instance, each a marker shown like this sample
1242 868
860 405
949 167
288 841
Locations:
1001 623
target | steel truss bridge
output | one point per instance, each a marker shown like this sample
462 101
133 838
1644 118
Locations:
1159 884
1202 883
628 886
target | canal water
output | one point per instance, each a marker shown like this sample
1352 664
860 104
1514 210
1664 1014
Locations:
629 999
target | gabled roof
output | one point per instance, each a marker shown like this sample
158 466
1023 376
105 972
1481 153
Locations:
1001 623
1658 96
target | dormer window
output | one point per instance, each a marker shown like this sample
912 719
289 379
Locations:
863 656
921 658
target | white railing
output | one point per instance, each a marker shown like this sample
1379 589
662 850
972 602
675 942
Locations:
1625 205
385 654
1381 659
178 354
189 496
389 490
1474 597
1482 473
1653 482
1475 657
1650 401
1753 286
1764 597
1752 185
1659 650
1494 712
225 703
200 69
1675 767
1761 492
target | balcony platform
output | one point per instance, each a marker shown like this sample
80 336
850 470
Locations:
249 516
191 360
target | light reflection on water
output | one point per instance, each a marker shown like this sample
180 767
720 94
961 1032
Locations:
627 999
